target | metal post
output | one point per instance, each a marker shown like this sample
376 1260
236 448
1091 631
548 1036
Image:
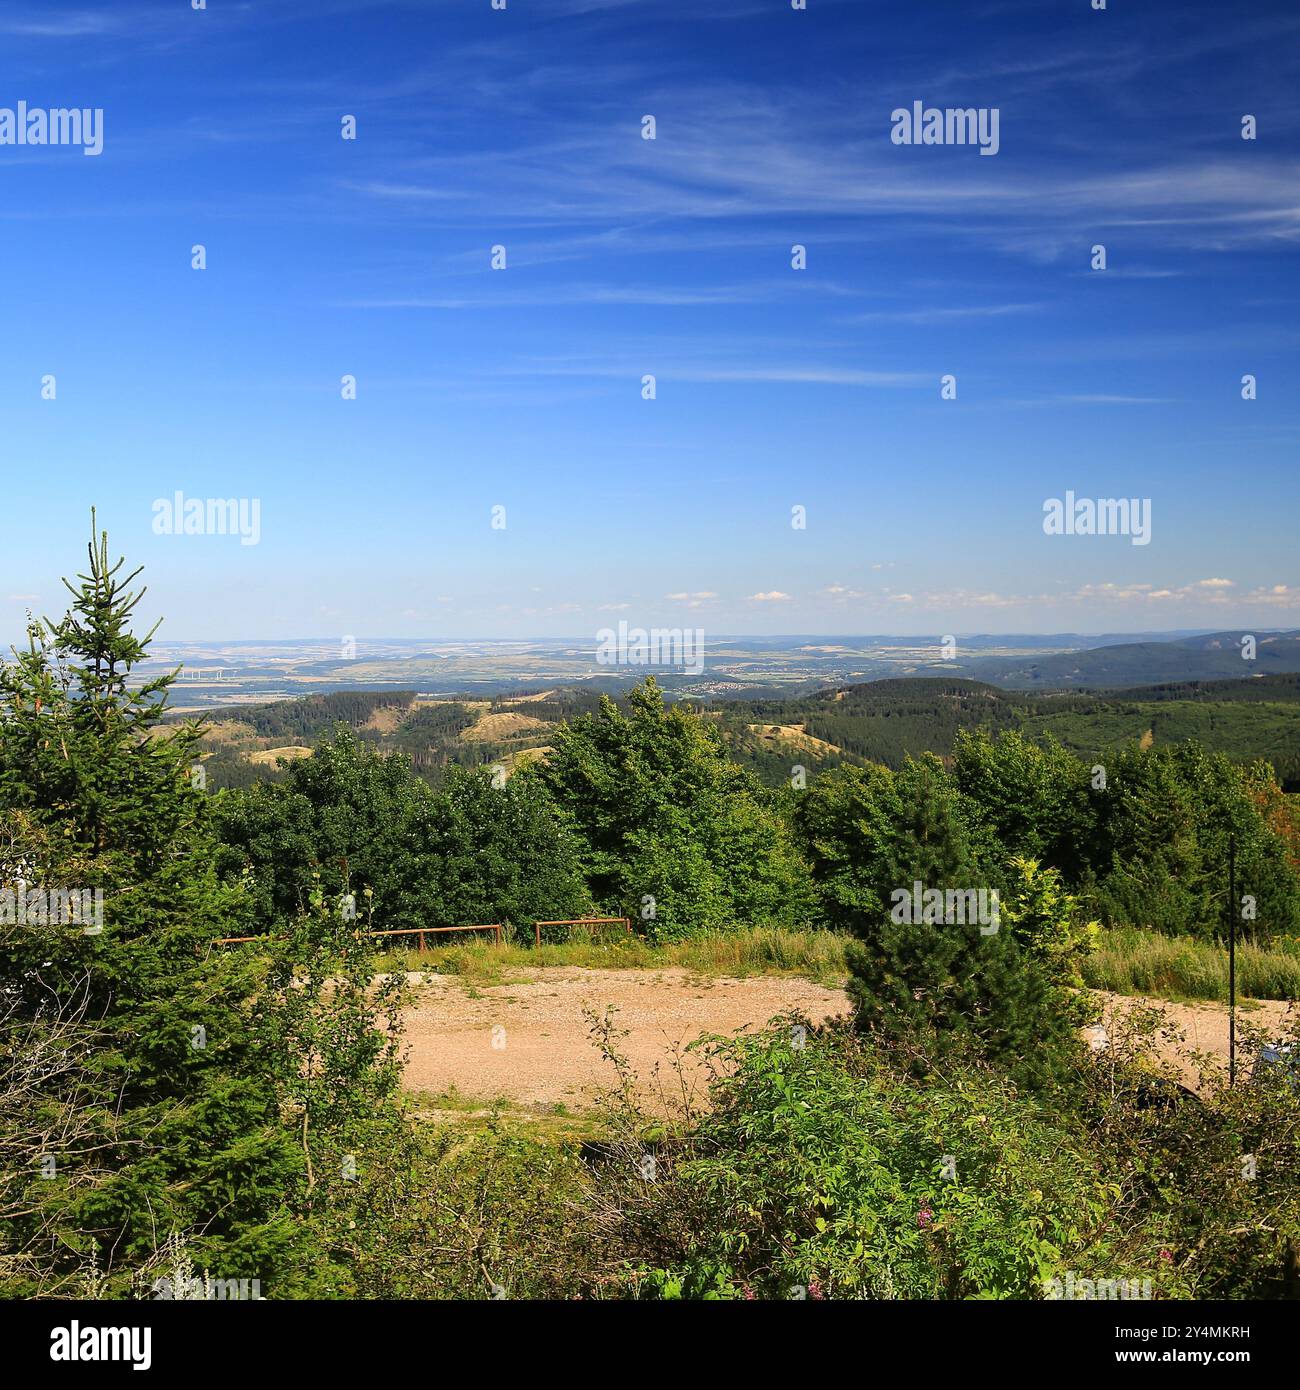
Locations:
1232 960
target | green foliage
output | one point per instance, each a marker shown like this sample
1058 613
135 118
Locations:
1047 920
358 821
179 1068
483 853
437 1212
868 832
955 986
1031 800
817 1172
941 991
821 1170
1160 854
1243 727
664 816
333 822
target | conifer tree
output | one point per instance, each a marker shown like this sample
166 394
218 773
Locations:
189 1073
939 986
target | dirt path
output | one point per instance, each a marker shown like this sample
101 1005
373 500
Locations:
547 1057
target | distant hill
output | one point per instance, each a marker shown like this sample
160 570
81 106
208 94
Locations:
1215 656
1248 689
308 716
244 743
889 720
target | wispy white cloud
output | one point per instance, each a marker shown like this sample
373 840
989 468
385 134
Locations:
669 371
560 295
944 315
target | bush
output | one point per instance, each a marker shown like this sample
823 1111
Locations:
439 1213
1213 1176
1047 920
820 1172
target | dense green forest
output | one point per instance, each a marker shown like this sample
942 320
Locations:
166 1102
312 715
886 721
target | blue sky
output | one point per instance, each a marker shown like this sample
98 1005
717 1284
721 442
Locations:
521 387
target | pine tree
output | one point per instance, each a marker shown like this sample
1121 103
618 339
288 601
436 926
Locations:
187 1070
938 987
945 989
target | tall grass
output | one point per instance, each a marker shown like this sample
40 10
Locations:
1129 961
1144 962
817 955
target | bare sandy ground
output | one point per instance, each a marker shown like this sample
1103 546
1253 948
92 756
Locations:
544 1054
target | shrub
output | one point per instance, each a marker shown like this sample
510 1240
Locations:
821 1172
940 991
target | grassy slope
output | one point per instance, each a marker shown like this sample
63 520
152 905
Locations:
1142 962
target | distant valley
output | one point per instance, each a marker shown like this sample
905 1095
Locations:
217 674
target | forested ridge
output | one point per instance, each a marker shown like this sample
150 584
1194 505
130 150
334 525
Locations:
882 721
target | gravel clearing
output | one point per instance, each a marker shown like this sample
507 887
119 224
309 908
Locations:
549 1059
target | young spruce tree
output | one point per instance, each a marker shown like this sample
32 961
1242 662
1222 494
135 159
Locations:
191 1102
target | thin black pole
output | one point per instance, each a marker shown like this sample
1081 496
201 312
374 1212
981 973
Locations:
1232 960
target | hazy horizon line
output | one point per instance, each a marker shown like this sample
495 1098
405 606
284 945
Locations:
332 638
